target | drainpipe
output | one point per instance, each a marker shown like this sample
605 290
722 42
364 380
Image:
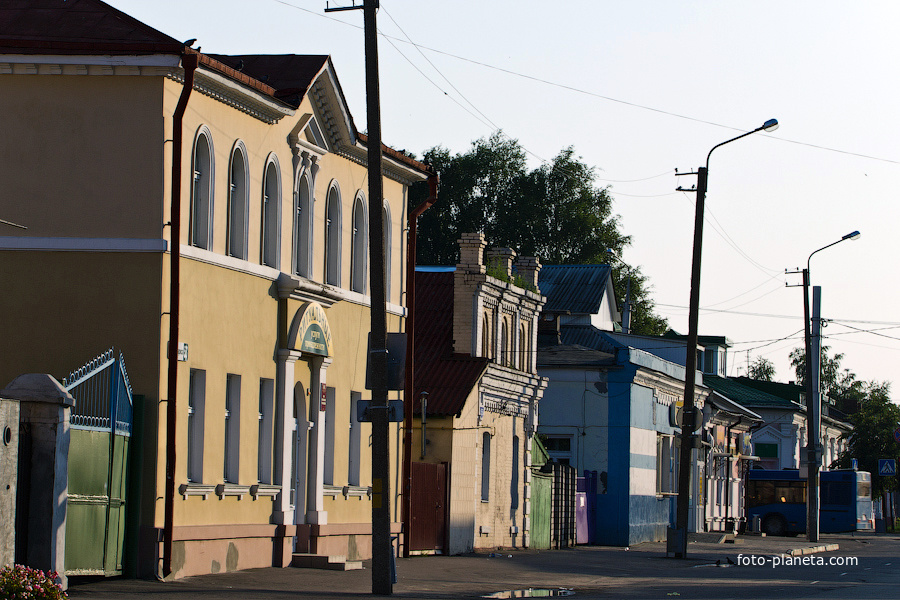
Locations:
189 62
410 348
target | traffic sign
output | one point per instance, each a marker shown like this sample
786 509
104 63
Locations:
897 435
887 467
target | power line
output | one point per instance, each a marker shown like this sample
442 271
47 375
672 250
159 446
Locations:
600 96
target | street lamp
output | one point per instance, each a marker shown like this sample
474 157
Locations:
678 538
813 398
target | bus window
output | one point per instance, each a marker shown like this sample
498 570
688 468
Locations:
761 492
837 492
790 492
864 489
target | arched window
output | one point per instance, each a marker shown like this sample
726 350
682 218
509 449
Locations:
485 336
238 203
386 224
359 246
333 236
302 228
202 191
271 210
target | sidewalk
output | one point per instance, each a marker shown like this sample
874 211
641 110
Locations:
603 570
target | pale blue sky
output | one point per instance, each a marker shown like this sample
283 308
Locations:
639 89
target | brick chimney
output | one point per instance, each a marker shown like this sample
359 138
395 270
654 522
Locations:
528 267
502 257
471 251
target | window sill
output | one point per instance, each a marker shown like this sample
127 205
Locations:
196 489
232 489
264 489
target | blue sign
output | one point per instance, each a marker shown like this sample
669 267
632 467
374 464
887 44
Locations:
897 435
887 467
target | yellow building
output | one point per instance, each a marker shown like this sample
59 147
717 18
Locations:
273 301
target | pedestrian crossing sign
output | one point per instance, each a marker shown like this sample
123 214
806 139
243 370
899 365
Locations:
887 467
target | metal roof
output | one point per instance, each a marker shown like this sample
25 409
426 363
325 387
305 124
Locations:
448 377
576 289
747 395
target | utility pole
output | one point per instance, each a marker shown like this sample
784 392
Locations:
689 418
382 549
814 417
677 538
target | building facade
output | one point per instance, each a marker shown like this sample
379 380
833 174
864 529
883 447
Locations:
476 334
272 298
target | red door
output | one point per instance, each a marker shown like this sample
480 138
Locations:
428 518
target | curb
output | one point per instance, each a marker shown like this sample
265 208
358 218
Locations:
813 550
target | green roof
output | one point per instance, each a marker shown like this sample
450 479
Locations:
746 395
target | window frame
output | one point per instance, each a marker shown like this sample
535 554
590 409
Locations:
202 190
333 235
270 202
238 221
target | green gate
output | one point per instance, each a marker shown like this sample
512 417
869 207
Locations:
541 507
98 462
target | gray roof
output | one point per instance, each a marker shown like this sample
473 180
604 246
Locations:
576 289
573 356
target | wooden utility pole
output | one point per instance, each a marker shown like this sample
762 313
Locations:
382 550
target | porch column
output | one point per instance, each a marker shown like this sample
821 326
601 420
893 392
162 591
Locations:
316 470
283 513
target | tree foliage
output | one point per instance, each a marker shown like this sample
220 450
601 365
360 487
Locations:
554 212
762 369
871 438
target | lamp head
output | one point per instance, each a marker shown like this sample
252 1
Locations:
770 125
854 235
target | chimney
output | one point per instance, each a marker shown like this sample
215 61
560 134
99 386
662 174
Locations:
528 267
503 259
471 250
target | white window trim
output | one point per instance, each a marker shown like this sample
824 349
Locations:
208 190
238 193
267 236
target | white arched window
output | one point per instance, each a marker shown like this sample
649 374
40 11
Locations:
303 227
271 210
202 191
238 203
386 225
333 236
359 246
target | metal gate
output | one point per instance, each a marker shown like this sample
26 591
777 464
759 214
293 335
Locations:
98 462
428 517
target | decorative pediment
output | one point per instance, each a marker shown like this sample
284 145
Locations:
307 135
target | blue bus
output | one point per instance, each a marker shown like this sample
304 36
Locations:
778 500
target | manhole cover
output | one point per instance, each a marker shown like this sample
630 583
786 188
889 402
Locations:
533 593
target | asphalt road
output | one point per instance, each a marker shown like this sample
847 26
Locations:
864 566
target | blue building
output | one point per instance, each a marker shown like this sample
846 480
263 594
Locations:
610 407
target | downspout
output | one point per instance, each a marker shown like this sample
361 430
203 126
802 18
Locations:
189 62
410 349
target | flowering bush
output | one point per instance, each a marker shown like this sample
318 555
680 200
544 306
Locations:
24 583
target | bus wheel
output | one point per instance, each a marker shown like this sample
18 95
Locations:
774 525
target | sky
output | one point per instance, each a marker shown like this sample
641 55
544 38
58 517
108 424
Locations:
640 89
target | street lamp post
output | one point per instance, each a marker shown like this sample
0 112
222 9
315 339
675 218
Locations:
813 397
678 543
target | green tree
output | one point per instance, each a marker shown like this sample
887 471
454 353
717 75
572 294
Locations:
839 384
872 435
554 212
762 369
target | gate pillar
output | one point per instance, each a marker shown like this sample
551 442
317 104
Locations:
44 413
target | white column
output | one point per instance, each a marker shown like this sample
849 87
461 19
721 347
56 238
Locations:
283 513
315 512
